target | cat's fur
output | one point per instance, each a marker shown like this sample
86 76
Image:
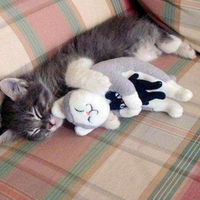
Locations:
27 103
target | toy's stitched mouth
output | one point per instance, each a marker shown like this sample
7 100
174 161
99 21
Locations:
91 111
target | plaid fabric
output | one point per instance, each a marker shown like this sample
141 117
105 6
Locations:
31 31
179 16
151 156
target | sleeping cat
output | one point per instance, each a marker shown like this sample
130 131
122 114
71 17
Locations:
26 107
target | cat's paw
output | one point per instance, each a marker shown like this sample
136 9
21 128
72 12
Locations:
170 45
186 51
99 83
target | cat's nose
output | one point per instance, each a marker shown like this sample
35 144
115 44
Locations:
49 125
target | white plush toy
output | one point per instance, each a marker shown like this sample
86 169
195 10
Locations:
135 85
86 110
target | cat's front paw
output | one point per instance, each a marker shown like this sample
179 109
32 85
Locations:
186 51
99 83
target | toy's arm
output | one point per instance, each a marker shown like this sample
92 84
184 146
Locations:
129 94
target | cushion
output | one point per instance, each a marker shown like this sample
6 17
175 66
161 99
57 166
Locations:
181 17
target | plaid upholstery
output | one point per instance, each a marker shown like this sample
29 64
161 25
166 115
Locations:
151 156
179 16
31 31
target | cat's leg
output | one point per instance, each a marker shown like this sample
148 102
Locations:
172 44
147 52
167 105
79 75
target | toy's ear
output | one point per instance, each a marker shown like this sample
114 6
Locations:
14 88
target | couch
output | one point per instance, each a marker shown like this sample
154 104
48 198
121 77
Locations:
151 156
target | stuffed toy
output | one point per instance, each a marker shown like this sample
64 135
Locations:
135 85
86 110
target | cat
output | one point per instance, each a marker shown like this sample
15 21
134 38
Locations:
26 107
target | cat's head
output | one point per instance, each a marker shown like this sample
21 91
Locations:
26 109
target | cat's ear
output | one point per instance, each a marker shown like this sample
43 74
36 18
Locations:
6 136
14 88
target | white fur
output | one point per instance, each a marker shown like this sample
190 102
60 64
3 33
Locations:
170 47
56 109
148 52
186 51
80 76
7 136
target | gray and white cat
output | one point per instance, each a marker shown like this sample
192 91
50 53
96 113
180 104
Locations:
26 108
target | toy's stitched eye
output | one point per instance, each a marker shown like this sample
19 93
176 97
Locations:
118 96
122 105
78 110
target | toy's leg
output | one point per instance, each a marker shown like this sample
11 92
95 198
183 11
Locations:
112 122
79 75
134 105
174 90
167 105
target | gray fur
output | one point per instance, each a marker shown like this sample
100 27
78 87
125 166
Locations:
117 37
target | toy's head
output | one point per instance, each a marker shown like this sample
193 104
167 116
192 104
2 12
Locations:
84 109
